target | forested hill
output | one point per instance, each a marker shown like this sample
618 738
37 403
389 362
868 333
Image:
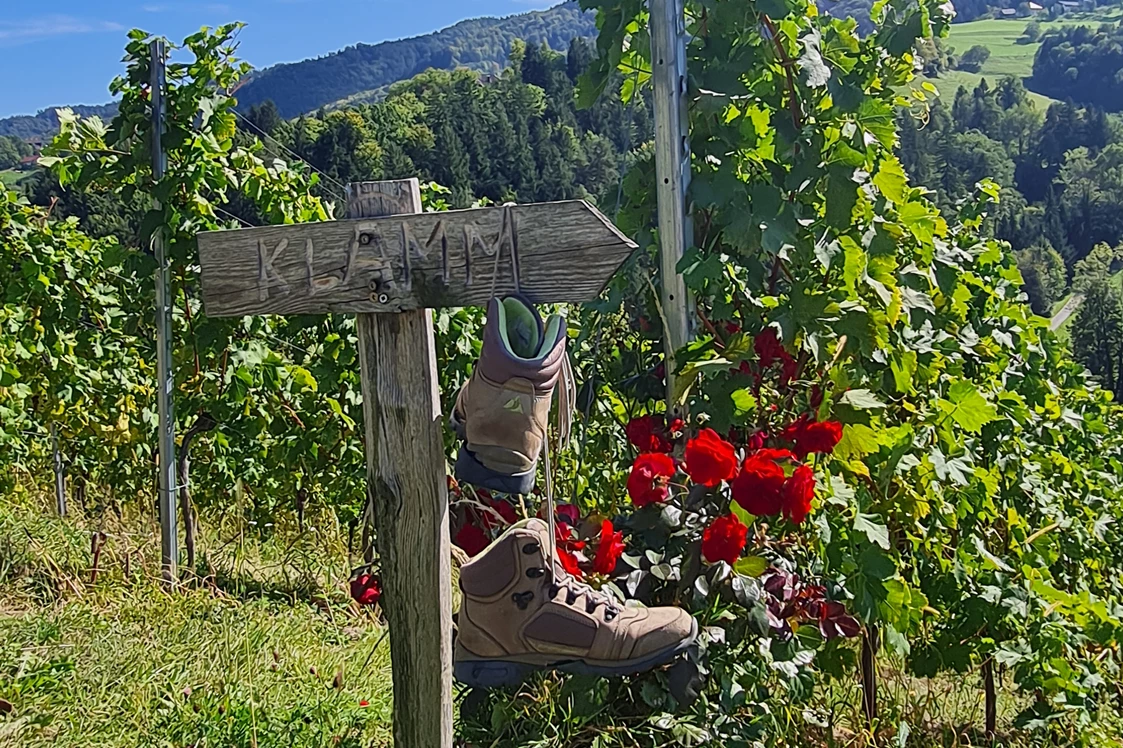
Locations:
45 123
479 43
300 87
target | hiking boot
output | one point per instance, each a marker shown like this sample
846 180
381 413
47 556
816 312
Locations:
515 617
503 410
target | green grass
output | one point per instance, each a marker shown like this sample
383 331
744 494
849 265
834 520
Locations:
1007 57
10 177
245 659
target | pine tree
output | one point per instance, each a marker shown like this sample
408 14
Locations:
1097 333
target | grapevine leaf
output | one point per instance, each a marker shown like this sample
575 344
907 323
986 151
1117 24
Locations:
862 400
751 566
858 440
967 407
877 533
891 180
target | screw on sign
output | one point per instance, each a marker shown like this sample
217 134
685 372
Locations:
391 264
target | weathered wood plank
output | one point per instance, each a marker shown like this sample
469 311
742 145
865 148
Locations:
564 251
406 479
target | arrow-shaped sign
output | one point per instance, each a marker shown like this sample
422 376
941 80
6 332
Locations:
563 251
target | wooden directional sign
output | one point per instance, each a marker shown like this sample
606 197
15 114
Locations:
392 264
563 251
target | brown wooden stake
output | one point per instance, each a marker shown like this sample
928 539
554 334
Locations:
406 479
869 674
991 699
97 540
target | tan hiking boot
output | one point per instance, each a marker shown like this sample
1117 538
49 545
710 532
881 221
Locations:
515 617
503 410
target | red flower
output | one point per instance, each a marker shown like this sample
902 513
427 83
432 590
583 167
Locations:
569 563
502 514
798 492
789 370
732 328
471 539
648 482
757 488
710 459
676 427
568 513
364 702
609 549
724 540
768 348
812 436
366 589
756 441
565 537
649 434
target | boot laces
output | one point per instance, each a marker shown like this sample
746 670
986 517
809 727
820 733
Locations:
593 598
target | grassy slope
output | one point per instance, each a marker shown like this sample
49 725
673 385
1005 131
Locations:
10 177
250 661
1007 57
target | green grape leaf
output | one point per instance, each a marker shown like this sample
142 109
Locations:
877 533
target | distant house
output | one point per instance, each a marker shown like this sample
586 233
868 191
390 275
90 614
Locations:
1035 8
1064 7
488 79
28 162
1007 13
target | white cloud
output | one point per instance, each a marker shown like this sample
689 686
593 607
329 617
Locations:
47 27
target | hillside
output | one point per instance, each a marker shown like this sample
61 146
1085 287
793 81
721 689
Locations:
364 69
480 44
1008 55
45 123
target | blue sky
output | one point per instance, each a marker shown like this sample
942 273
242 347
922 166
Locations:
66 51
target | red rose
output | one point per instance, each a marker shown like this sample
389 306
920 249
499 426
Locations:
724 540
810 436
757 487
798 492
768 348
756 441
366 589
649 434
499 515
471 539
567 544
789 369
609 549
710 459
648 482
565 537
676 427
568 513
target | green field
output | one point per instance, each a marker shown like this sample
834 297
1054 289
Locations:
10 177
1007 57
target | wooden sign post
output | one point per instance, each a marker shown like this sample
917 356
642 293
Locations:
391 264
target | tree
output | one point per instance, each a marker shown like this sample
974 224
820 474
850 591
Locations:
973 59
1031 34
1044 276
1097 333
265 117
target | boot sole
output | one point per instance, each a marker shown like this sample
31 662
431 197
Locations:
508 674
472 471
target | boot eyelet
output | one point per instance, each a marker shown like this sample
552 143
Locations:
531 548
535 573
523 599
